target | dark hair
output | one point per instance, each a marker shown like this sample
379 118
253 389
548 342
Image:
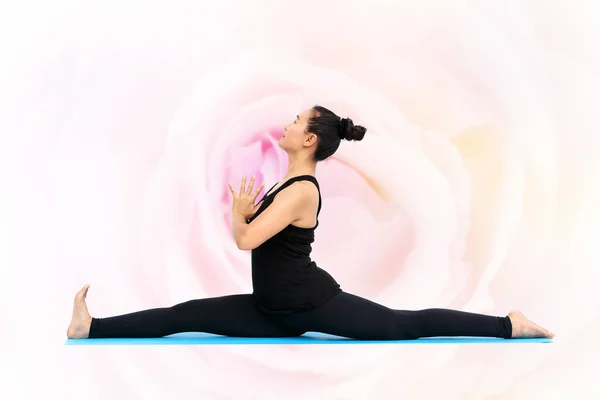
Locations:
330 130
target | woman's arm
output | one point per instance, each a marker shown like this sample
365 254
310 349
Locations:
286 208
238 226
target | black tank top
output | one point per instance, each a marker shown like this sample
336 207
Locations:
284 277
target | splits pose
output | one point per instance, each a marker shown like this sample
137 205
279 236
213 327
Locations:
291 294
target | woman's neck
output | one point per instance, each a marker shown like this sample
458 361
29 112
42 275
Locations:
300 167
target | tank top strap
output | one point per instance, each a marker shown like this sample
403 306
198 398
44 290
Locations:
268 192
301 178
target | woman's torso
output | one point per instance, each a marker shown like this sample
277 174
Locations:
284 277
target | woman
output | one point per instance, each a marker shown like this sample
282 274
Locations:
291 294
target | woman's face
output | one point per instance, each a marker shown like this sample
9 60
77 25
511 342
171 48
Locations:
295 136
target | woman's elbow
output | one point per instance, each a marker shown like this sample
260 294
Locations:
246 244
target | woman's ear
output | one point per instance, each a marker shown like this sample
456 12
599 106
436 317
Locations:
310 139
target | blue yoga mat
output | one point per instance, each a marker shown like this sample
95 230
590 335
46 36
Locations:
307 338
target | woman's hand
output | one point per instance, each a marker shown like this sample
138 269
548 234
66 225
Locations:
243 203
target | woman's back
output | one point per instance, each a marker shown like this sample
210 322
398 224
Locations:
284 277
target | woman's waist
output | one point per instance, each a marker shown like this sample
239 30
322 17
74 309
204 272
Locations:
277 259
284 276
280 269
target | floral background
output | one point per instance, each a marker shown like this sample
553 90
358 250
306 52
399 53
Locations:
475 188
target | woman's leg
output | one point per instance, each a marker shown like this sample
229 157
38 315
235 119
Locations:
354 317
234 315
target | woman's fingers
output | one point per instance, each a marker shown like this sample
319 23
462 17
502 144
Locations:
243 186
251 186
255 195
247 191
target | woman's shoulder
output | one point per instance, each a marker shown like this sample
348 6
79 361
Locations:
306 187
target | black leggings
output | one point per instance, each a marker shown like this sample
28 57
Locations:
344 315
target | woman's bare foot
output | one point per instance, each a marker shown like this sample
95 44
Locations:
81 319
524 328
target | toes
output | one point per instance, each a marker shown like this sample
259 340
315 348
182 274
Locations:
82 293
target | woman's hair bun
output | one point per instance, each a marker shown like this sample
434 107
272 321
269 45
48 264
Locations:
349 131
